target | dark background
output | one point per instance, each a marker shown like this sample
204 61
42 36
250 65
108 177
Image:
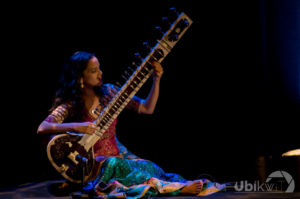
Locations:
230 91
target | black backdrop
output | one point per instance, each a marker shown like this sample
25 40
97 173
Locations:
229 92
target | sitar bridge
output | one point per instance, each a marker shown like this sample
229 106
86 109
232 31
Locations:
72 156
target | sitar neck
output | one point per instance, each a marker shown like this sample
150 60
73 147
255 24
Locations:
139 76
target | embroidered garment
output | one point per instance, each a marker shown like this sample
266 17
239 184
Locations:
107 146
138 178
121 173
153 187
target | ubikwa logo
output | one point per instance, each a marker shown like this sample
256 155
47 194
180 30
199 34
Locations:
276 181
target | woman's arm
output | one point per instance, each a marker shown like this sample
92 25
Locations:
54 128
145 106
54 123
148 105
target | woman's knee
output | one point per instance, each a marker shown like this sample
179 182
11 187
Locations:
112 160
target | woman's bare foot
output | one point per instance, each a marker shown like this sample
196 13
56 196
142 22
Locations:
192 187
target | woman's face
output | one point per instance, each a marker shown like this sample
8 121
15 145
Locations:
92 75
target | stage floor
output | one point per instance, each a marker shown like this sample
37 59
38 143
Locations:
39 190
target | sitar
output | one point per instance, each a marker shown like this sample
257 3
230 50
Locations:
71 154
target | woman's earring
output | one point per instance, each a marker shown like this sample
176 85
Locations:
81 83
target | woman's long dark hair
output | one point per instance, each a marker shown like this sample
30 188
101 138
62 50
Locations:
70 85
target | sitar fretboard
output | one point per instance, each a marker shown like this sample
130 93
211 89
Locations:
139 76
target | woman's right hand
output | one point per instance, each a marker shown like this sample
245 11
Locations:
84 127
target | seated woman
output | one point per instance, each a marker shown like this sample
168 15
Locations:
77 105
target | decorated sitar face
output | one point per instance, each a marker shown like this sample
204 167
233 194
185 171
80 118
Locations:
72 154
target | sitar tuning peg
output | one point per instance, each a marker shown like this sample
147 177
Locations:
173 14
125 78
134 64
147 46
130 69
126 73
146 49
118 84
138 58
165 23
158 32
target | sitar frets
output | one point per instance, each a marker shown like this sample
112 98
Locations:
123 97
141 74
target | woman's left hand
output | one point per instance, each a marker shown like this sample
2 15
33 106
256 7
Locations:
157 70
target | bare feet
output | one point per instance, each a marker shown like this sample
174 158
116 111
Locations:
192 187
